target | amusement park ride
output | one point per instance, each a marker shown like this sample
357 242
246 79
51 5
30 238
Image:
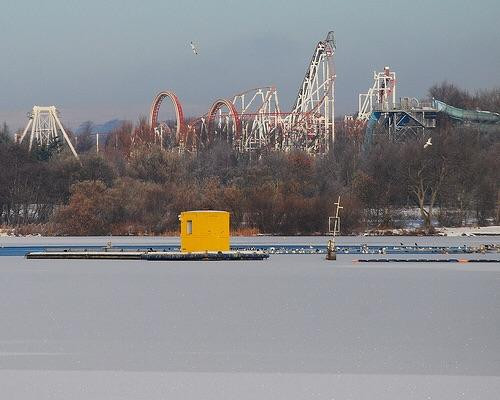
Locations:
410 116
379 106
46 129
253 120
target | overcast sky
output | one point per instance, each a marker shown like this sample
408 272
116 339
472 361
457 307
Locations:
98 60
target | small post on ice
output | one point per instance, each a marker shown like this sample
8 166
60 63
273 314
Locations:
331 253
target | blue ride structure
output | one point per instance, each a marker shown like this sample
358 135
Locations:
378 107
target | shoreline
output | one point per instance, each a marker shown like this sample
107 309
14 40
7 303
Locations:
493 230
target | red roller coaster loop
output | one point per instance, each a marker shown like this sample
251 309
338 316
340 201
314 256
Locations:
155 108
216 106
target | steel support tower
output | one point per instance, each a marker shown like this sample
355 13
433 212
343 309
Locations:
46 129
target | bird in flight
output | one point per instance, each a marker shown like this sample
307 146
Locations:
193 47
428 143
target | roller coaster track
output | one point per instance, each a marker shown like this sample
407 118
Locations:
253 119
155 109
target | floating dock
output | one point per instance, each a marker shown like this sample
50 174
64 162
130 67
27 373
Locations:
206 256
427 260
234 255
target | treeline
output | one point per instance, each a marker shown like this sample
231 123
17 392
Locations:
486 100
454 181
141 189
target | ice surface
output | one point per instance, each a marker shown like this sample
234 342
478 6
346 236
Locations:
294 326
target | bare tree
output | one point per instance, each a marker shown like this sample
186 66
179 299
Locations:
5 136
85 141
426 171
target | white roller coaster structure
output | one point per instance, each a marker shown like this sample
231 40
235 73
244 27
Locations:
253 120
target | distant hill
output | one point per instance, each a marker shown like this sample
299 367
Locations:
105 127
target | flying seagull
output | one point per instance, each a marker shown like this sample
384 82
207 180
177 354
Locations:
428 143
193 47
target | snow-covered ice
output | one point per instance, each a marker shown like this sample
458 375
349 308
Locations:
294 327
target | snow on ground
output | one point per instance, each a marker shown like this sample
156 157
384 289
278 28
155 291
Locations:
466 231
291 327
126 385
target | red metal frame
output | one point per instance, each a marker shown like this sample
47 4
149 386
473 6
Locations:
155 109
216 106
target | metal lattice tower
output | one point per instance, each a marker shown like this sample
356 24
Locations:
378 107
260 118
46 129
380 97
311 122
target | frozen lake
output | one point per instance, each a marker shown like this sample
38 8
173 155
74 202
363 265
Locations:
293 326
254 240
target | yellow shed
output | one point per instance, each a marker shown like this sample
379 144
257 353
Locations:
204 231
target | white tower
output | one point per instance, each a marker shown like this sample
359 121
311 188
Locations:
46 128
380 97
